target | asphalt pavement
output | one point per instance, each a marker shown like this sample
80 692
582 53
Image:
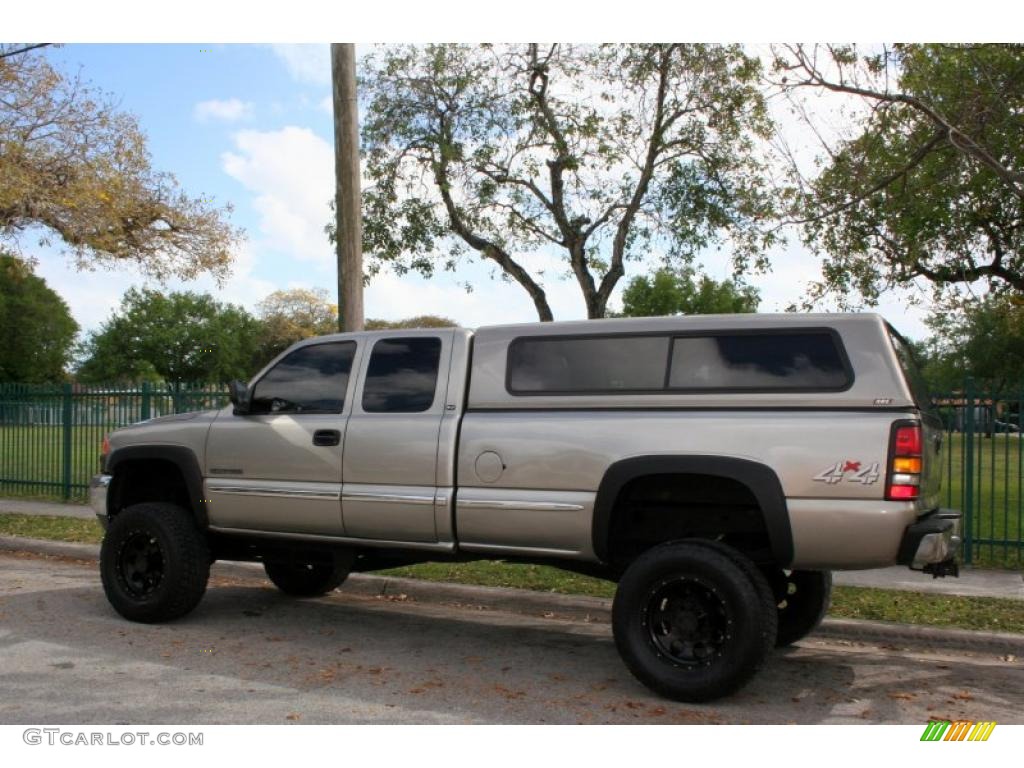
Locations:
249 654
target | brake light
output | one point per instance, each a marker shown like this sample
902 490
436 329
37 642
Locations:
104 452
905 463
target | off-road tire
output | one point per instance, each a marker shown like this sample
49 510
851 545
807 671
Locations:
769 603
154 562
690 623
803 599
308 579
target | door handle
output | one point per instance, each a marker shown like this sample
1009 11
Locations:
326 437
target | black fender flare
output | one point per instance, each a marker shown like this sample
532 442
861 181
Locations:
760 479
183 458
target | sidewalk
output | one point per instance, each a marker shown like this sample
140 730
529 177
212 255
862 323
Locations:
972 582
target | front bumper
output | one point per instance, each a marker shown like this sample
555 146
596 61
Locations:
932 544
98 488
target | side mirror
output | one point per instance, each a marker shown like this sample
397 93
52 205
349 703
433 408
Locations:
239 394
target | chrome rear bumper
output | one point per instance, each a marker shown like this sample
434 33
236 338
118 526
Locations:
932 544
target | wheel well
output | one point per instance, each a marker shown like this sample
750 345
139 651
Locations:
655 508
139 480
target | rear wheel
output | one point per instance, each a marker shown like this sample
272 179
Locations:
689 621
301 579
803 600
154 562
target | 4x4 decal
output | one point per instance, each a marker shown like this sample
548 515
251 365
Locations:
851 471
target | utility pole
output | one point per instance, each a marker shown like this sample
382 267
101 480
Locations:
347 197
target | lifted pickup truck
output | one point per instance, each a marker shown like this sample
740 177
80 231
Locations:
716 467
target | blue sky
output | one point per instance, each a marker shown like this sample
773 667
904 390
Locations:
250 125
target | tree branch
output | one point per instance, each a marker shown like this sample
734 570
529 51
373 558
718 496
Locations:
23 49
482 245
960 140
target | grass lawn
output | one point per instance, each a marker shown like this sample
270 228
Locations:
998 492
990 614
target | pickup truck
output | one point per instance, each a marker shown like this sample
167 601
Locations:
717 468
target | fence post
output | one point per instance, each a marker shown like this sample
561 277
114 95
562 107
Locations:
968 470
145 408
68 418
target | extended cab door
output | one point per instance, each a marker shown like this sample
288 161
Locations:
278 467
391 444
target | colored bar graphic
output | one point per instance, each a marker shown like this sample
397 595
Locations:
958 730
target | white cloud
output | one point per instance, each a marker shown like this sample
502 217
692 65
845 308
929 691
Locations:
306 63
291 173
228 110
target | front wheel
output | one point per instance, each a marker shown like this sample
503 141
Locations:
690 623
154 562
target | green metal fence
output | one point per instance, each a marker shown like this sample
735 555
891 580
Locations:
983 472
50 435
50 438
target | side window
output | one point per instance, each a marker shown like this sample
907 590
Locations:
311 379
587 365
402 375
758 362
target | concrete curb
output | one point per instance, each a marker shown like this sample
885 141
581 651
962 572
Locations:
567 607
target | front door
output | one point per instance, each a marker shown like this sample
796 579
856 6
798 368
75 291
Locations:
278 467
390 461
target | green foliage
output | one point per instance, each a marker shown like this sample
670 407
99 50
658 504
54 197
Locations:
931 186
291 315
982 339
420 321
682 292
37 327
173 337
592 154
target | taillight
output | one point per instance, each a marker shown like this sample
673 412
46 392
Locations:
905 462
104 452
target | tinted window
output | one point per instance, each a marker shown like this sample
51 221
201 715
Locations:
764 361
605 364
310 379
402 375
911 372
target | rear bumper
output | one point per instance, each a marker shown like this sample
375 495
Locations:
932 544
98 488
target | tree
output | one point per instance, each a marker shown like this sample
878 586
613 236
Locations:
932 183
592 155
983 339
292 315
419 321
75 166
38 330
672 292
175 337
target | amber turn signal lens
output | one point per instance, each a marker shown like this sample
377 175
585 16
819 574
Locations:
905 464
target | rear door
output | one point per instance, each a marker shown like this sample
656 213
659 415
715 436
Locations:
391 443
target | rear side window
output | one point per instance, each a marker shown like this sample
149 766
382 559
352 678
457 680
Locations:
592 364
911 372
402 375
311 379
760 362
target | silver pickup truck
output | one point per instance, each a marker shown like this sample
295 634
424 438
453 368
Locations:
718 468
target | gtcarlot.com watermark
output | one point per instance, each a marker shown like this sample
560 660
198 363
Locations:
72 738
